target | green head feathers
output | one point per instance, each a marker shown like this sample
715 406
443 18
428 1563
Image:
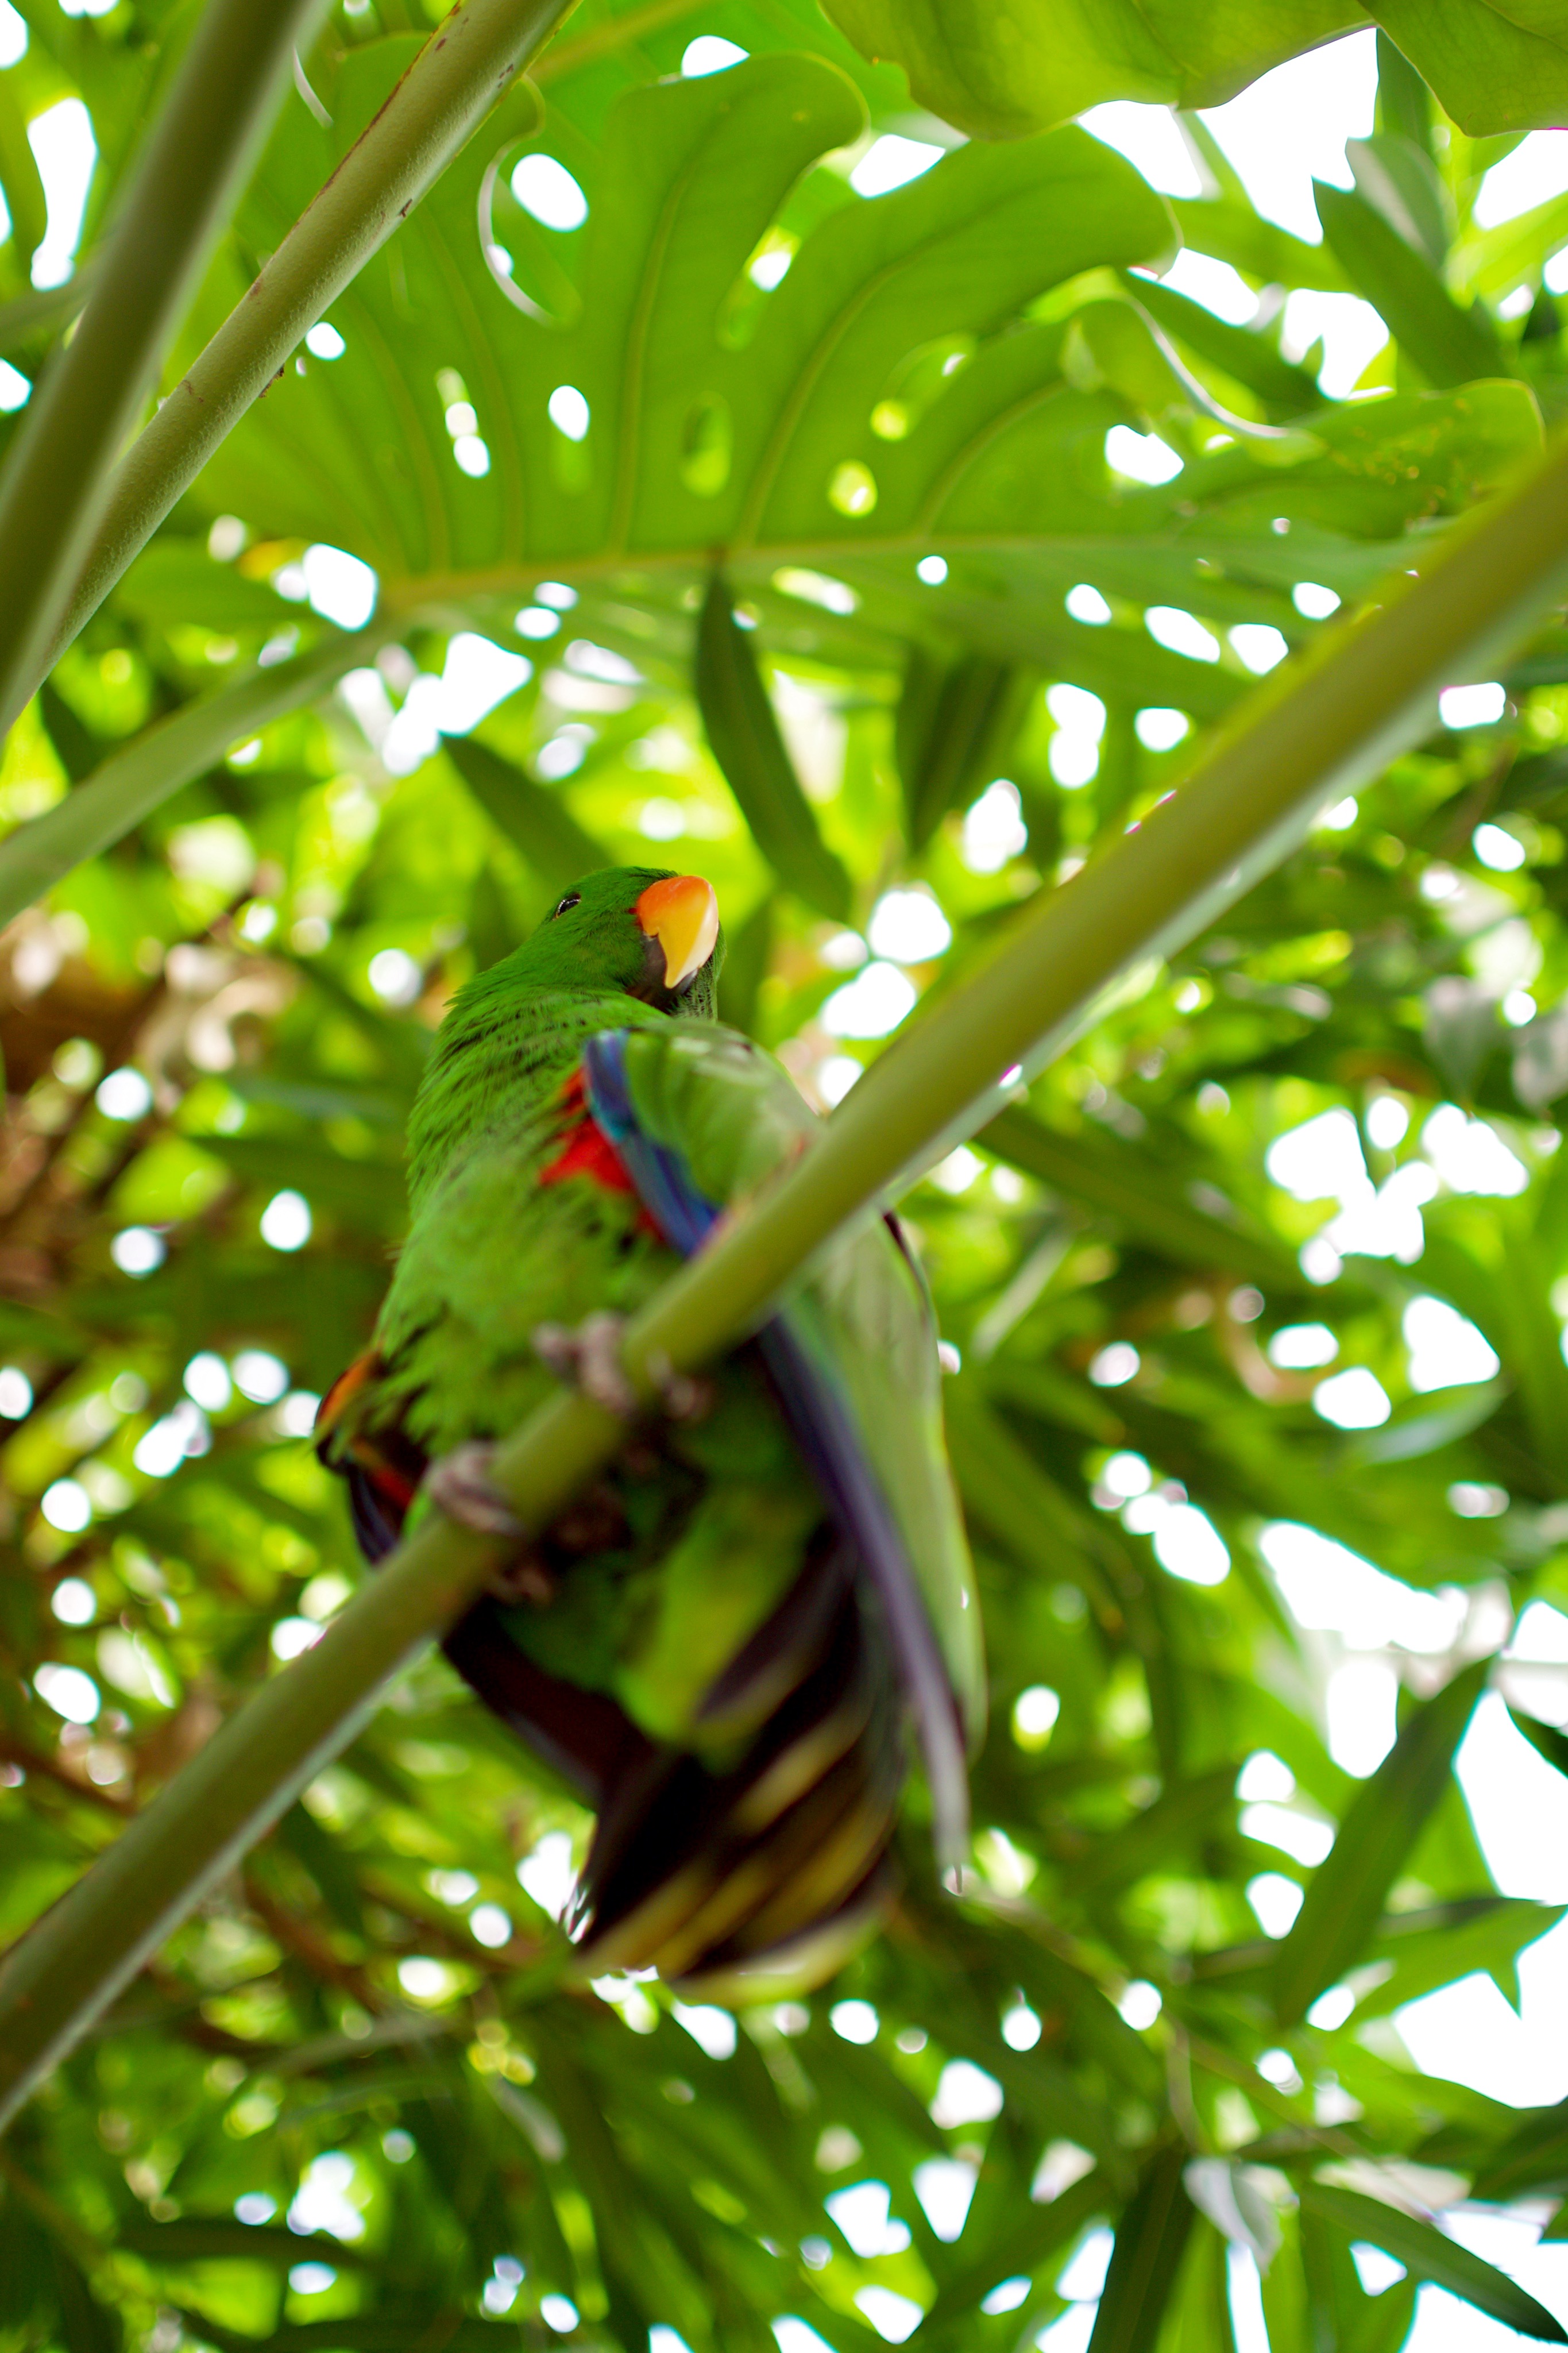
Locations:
637 932
630 931
638 929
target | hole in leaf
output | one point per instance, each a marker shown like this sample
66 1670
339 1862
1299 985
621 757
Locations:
520 231
547 190
918 380
768 265
705 442
570 415
569 412
742 311
709 53
852 488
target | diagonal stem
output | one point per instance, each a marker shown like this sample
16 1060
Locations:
131 782
200 153
468 64
1315 732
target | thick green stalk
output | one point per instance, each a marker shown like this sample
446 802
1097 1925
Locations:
468 64
202 149
116 796
1309 736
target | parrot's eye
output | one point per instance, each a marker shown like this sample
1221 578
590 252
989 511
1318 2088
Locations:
573 898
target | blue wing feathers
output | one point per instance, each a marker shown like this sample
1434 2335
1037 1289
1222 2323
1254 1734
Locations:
663 1181
824 1429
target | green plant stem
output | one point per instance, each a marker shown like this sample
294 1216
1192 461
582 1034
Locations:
118 795
201 151
1308 737
468 64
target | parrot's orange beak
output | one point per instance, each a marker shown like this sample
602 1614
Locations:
682 915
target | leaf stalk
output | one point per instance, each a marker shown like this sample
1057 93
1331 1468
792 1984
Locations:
469 62
133 782
56 484
1312 734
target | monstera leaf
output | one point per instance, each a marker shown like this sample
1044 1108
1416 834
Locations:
673 429
999 71
894 420
875 485
935 376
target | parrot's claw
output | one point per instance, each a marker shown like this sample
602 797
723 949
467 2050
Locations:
461 1485
683 1397
590 1358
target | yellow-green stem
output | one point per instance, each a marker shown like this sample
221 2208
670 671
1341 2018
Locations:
131 782
199 155
469 62
1311 735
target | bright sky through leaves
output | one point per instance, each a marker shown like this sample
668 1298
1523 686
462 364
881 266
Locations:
1220 1312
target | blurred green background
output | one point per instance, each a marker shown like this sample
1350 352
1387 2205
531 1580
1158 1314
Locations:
1254 1305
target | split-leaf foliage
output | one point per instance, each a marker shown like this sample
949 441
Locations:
750 676
1022 65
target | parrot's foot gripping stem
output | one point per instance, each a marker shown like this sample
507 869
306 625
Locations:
590 1359
461 1485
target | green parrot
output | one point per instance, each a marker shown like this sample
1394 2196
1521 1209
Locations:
724 1644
